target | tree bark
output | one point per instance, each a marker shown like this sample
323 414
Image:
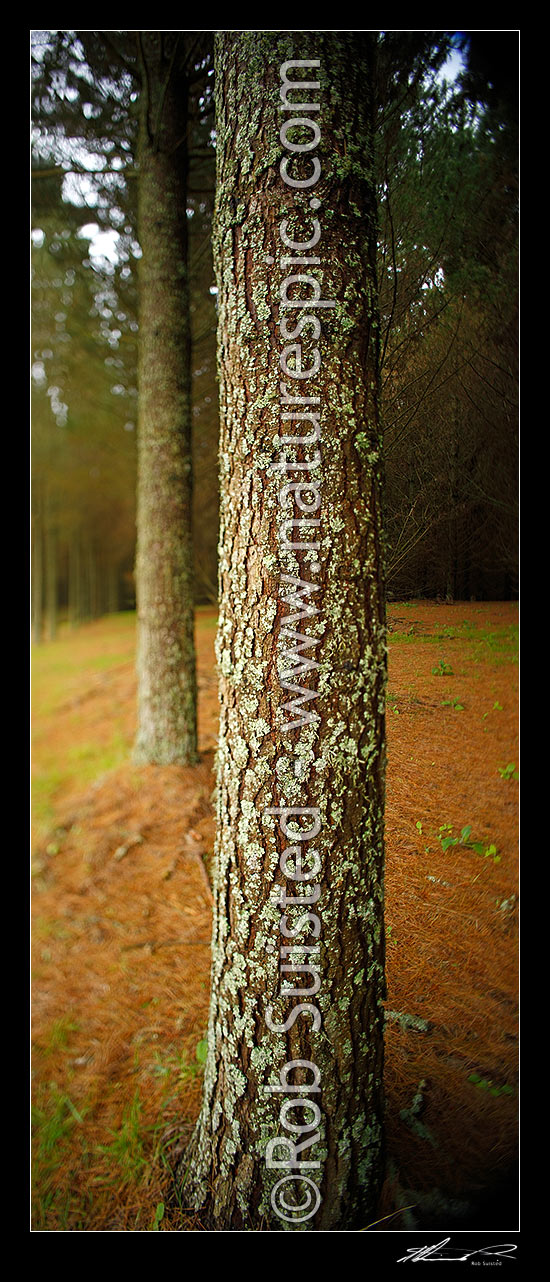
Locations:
167 724
51 583
92 582
321 750
113 597
38 580
74 594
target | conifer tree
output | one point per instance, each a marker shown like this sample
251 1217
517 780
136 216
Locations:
290 1132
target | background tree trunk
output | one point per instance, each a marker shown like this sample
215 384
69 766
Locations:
73 588
38 580
92 582
112 588
335 762
167 728
51 583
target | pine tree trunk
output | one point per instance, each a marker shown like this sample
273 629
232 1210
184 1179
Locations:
37 582
112 589
451 559
167 730
92 582
51 584
322 754
84 582
74 581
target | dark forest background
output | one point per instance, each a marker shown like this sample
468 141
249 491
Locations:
447 270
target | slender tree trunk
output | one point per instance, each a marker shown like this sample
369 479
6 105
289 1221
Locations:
167 728
51 584
85 612
38 581
72 590
75 581
92 581
451 559
306 619
112 588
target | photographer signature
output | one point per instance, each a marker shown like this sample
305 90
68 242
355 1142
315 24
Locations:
442 1251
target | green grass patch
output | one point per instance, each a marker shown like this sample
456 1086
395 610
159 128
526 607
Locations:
54 1118
93 759
59 667
126 1153
206 618
43 790
498 644
83 762
501 645
59 1035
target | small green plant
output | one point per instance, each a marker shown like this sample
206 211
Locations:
453 703
127 1149
485 1084
442 669
60 1033
177 1064
202 1051
446 840
53 1117
497 707
157 1218
509 771
490 852
418 825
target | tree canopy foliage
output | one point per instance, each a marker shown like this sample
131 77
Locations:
85 244
447 270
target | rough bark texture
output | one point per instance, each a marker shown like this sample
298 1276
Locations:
335 763
167 730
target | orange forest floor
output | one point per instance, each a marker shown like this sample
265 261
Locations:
121 929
